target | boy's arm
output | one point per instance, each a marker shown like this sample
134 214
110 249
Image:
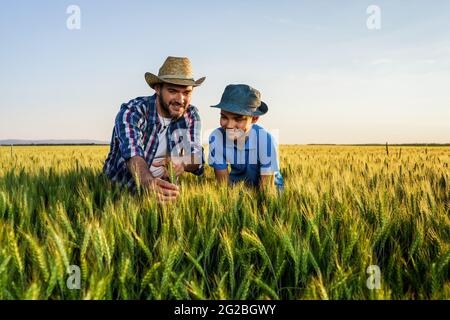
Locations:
222 176
270 164
217 158
267 181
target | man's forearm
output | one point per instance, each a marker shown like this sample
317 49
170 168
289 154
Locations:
138 168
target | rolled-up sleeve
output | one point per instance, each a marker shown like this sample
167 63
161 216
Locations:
129 126
194 127
268 154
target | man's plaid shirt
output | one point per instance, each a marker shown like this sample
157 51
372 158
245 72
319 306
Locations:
136 134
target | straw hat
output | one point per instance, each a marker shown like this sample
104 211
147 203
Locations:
175 70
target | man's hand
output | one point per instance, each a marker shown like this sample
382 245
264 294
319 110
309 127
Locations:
164 191
178 166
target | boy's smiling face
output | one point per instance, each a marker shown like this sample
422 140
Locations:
235 125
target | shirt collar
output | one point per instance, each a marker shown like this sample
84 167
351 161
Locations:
251 141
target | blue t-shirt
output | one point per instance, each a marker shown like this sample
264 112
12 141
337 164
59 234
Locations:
248 161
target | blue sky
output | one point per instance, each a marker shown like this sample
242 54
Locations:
326 77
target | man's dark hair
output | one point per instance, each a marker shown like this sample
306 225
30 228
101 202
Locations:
160 85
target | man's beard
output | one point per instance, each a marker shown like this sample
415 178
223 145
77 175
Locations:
166 107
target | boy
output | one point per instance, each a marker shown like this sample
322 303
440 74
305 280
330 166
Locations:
247 147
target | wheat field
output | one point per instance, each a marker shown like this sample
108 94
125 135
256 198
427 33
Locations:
344 208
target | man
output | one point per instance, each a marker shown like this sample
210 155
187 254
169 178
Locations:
151 130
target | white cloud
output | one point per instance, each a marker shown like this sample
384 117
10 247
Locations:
380 61
427 61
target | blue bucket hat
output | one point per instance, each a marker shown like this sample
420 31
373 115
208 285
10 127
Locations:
242 99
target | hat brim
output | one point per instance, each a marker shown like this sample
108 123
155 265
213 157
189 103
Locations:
261 110
152 79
